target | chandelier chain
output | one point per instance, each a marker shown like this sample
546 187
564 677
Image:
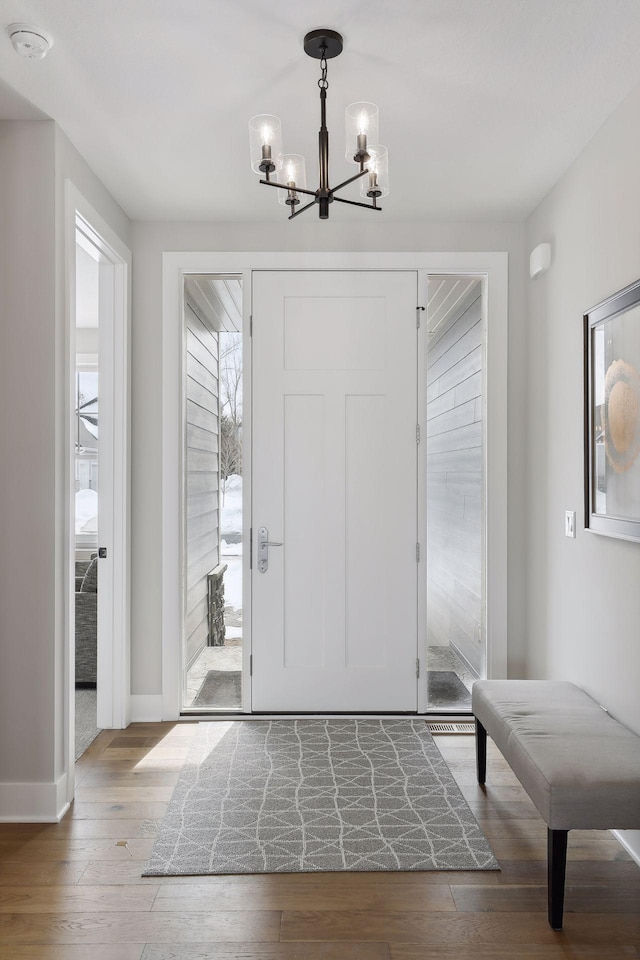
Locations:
323 83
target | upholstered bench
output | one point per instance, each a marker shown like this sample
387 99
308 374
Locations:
580 767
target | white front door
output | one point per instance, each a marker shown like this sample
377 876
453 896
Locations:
334 482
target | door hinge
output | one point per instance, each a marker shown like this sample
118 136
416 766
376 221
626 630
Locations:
417 433
417 553
250 548
250 664
418 667
418 312
250 324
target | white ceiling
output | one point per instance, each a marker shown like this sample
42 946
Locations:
217 300
13 106
448 297
483 103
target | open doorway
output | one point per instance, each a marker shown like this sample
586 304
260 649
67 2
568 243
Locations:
86 490
213 490
97 684
455 492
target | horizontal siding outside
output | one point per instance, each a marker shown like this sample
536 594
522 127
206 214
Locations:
454 486
201 477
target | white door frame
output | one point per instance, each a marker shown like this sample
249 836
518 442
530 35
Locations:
114 658
492 266
173 457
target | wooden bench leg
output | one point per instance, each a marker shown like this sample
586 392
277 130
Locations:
556 869
481 752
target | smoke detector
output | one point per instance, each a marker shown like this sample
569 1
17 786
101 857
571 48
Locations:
30 42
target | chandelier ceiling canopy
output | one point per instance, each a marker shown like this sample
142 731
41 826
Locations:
362 146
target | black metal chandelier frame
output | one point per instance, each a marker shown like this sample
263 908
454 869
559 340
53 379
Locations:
323 45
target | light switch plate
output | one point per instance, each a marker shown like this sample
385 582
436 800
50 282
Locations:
570 523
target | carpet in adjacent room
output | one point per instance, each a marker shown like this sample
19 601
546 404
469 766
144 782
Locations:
316 795
86 719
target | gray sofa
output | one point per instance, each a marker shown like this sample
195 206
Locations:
86 621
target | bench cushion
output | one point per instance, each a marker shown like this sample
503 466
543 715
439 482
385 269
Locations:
580 767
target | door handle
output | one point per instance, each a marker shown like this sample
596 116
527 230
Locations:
263 549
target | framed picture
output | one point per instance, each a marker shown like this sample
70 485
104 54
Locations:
612 415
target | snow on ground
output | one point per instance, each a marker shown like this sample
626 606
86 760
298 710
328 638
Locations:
231 553
230 549
233 582
231 510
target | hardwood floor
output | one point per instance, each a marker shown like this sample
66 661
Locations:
73 891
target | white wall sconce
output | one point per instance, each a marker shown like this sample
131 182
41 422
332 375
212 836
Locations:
539 260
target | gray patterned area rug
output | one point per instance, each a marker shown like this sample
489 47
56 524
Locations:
288 796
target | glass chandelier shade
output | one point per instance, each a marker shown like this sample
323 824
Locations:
294 175
265 143
376 182
361 129
286 173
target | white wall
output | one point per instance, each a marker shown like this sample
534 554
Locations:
583 594
35 159
27 442
149 242
87 340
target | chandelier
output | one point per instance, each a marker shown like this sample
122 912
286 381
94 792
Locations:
363 148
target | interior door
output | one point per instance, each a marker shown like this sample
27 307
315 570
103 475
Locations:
334 491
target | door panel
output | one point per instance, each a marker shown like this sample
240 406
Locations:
334 481
366 585
304 568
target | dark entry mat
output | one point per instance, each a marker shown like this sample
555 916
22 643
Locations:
446 689
220 688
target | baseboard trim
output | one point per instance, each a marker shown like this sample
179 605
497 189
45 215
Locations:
146 707
34 802
630 840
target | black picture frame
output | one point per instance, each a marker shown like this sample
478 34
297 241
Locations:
611 428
